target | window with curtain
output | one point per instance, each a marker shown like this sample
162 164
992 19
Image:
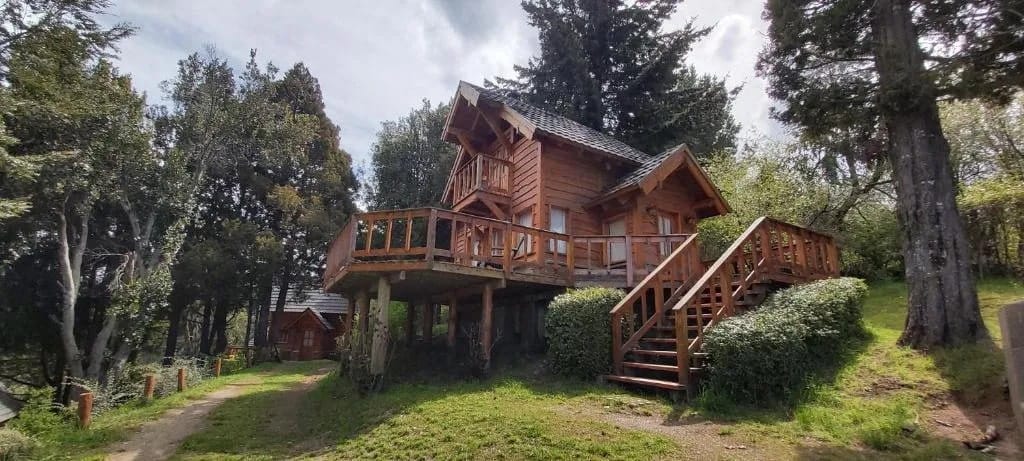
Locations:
558 223
524 242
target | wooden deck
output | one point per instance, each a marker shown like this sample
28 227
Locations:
434 251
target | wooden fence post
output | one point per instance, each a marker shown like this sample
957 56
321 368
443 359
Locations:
181 380
84 409
216 367
150 387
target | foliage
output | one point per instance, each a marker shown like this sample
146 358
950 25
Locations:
994 215
579 338
410 160
769 353
614 67
14 445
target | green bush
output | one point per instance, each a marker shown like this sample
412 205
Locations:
14 445
579 331
767 354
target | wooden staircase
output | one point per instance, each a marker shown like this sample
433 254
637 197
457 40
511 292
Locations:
659 327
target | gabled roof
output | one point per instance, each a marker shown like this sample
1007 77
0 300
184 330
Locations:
555 125
650 174
327 325
9 406
326 303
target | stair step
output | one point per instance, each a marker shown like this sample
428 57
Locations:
654 352
659 340
699 355
673 386
651 366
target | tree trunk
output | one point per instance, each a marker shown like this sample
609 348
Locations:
69 260
220 326
282 298
204 333
261 337
250 311
173 330
942 301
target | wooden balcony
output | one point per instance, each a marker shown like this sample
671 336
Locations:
483 174
458 249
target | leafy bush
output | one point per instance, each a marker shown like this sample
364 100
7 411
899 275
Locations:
579 331
767 354
14 445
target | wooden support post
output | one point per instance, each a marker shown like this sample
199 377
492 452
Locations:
216 367
363 305
351 301
149 388
428 321
487 322
410 324
84 409
379 352
453 321
182 385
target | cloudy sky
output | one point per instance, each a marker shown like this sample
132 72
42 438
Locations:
376 60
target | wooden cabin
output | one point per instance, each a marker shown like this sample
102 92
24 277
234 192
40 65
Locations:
310 324
539 203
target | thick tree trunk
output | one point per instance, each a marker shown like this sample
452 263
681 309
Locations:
220 327
204 329
261 336
250 312
69 260
173 330
942 301
282 298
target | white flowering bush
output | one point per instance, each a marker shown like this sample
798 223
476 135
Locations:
768 353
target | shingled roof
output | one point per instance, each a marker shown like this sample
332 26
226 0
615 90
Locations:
561 127
320 302
634 177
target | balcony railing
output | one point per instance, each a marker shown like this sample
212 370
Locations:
433 235
483 173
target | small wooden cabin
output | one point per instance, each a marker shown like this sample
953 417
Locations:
310 324
539 203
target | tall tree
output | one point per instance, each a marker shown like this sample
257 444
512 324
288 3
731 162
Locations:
610 65
410 160
862 65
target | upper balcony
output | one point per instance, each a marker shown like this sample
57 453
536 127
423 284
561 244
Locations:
439 250
484 178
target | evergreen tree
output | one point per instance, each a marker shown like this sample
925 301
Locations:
410 161
861 66
610 66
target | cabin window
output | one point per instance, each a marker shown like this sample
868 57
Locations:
617 247
666 226
558 223
524 241
307 338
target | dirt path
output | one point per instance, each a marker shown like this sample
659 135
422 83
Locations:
158 440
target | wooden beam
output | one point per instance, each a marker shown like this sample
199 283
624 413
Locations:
428 321
453 320
495 124
351 300
487 324
379 352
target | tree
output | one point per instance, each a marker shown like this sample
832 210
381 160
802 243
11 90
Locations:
610 66
410 161
860 65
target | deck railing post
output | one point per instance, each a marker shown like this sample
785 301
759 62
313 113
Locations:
432 234
630 260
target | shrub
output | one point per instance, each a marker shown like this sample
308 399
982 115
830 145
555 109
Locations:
767 354
579 331
14 445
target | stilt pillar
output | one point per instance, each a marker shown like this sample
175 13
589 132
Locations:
487 322
428 321
363 306
379 352
453 321
410 327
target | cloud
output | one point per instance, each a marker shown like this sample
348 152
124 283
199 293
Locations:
377 60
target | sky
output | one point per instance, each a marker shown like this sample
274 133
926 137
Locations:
376 60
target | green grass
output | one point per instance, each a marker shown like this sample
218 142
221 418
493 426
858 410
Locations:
508 418
875 397
59 438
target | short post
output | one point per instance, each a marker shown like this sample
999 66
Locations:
1011 324
181 380
216 367
150 387
84 410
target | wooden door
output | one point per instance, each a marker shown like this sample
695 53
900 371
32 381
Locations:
307 349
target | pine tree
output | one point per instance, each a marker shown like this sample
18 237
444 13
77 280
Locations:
878 66
610 66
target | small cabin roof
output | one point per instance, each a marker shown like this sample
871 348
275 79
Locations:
323 322
320 302
555 125
651 173
9 406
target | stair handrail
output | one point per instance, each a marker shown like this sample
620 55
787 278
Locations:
653 280
764 258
